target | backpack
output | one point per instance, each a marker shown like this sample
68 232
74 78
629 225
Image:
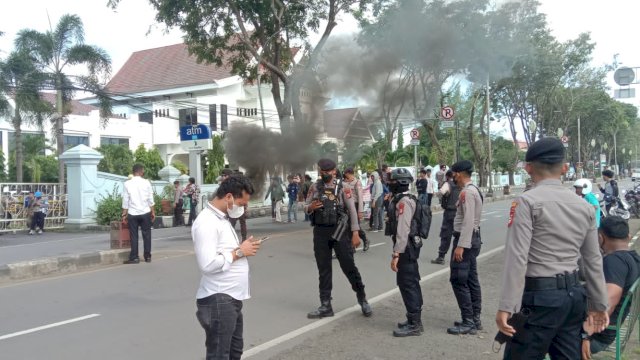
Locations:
421 221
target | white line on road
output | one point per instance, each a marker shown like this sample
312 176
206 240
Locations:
489 213
39 328
305 329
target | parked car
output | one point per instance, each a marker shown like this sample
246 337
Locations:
635 174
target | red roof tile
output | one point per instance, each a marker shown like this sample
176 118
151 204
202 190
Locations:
77 108
164 68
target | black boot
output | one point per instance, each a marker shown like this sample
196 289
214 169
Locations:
365 243
439 260
476 320
413 326
406 323
467 327
324 310
364 305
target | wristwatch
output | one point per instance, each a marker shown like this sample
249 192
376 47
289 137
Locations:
238 252
585 336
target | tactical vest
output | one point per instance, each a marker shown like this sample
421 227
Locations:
450 201
327 215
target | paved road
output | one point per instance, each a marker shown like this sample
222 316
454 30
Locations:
147 310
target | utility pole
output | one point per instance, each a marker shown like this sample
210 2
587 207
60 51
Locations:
490 192
579 149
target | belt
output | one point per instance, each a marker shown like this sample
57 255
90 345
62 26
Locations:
560 281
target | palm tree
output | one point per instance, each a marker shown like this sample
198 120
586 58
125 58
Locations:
55 50
21 80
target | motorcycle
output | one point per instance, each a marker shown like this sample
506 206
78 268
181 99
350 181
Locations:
619 207
632 197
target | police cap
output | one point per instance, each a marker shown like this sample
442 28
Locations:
549 150
326 164
462 166
226 172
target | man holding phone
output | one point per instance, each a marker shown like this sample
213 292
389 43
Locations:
222 259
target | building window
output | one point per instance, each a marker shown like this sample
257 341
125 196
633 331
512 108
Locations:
188 116
34 140
146 117
114 141
72 141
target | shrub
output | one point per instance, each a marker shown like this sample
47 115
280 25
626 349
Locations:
109 208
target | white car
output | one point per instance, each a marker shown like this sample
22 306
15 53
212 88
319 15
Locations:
635 174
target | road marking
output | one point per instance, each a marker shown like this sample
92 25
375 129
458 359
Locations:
489 213
370 246
348 311
40 328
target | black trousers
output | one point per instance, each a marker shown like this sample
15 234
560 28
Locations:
553 326
429 198
323 245
465 282
143 222
178 219
408 281
192 212
220 316
446 232
38 220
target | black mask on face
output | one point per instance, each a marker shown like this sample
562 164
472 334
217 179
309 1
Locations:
326 177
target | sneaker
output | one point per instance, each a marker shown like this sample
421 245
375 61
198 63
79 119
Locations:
39 231
31 232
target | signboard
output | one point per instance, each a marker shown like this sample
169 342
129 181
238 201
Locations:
415 134
446 124
447 112
195 132
197 144
415 142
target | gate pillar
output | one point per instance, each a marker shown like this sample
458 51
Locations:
82 176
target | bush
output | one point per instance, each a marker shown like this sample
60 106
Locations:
109 208
118 159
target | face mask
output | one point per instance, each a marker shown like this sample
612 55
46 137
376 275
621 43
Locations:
394 188
235 211
326 177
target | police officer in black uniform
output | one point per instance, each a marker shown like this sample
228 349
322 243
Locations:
404 260
448 193
335 228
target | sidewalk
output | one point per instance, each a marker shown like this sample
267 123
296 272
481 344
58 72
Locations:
356 337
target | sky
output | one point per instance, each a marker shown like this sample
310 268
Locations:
132 27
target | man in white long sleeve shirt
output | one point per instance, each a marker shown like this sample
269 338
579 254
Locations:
222 259
138 212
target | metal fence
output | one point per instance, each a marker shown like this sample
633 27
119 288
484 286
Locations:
15 215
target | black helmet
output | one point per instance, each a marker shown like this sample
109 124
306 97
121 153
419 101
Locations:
402 176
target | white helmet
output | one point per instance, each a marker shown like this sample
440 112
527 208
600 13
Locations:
585 184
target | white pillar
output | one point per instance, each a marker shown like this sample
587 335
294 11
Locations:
82 177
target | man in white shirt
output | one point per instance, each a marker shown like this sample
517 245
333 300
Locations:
222 259
138 212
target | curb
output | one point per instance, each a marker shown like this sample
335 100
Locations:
26 270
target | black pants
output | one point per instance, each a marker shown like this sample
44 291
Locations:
553 326
464 280
323 245
38 220
220 316
192 212
429 198
408 281
446 232
144 222
178 219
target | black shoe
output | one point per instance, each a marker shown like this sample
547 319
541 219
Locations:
366 308
148 260
132 261
365 244
467 327
476 321
406 323
412 327
324 310
439 260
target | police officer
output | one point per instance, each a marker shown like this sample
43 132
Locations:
448 193
325 202
549 230
466 242
404 260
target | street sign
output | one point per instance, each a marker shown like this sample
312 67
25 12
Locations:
415 142
415 134
197 144
447 112
195 132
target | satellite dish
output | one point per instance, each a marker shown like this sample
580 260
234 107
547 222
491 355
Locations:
624 76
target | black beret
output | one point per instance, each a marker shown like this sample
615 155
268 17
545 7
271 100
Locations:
462 165
549 150
326 164
226 171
